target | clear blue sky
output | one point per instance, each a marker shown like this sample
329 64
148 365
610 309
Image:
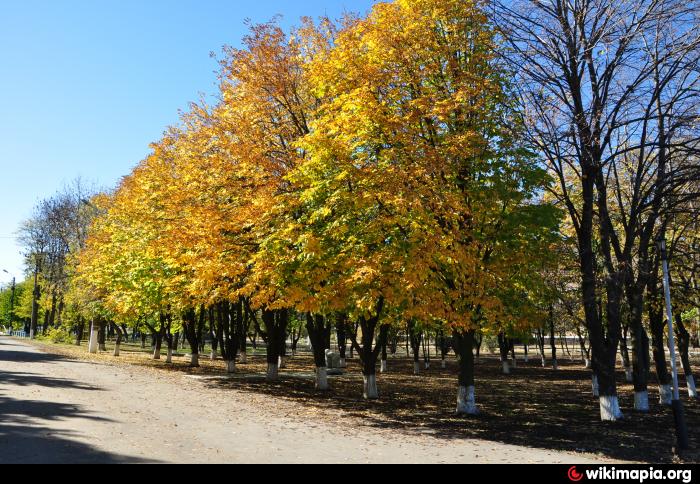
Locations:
86 85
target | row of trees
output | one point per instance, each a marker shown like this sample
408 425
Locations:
465 168
370 172
50 238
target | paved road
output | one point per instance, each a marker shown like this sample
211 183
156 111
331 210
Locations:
55 410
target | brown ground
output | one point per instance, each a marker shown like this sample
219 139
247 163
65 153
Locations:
550 416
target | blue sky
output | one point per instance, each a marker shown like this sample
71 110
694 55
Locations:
86 85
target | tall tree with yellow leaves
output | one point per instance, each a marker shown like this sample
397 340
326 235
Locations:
414 196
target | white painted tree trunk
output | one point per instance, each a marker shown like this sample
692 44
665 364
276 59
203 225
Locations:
384 368
169 358
231 367
641 401
194 360
587 364
665 395
243 358
610 409
156 354
692 390
322 379
370 387
466 401
213 355
416 368
555 364
629 375
117 349
596 387
283 362
272 372
93 346
427 365
544 362
527 359
506 367
343 363
444 363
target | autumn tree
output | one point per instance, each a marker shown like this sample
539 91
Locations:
409 177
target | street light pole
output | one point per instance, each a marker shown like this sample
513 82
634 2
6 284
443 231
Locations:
676 404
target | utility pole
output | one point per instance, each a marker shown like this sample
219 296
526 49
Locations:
676 404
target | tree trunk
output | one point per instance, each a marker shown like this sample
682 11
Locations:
93 345
415 337
341 334
552 340
640 368
214 344
638 371
504 348
157 338
118 342
79 332
102 335
658 326
625 355
540 346
229 324
166 326
384 366
189 323
604 338
369 354
464 347
318 330
426 350
276 330
54 308
585 352
683 337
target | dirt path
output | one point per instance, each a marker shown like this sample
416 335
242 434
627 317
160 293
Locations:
54 409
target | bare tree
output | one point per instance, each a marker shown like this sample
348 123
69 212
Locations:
58 227
609 94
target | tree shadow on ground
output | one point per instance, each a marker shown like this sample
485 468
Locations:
24 440
26 436
533 407
31 379
8 353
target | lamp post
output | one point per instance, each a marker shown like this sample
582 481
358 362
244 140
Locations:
676 404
